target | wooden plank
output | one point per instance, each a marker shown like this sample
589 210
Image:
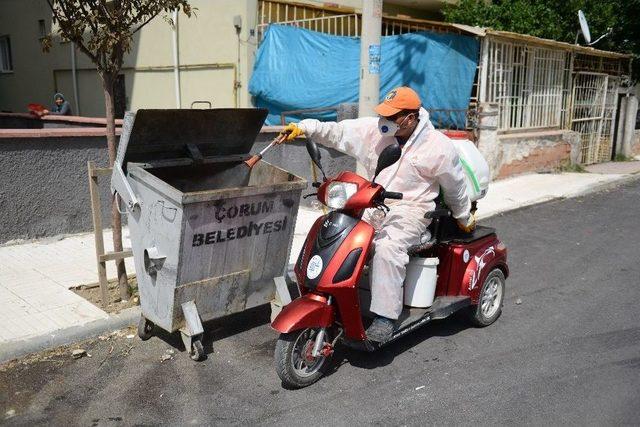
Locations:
96 214
96 171
112 256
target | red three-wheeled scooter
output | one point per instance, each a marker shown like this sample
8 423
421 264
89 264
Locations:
332 267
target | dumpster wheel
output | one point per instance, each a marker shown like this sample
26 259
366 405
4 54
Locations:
197 350
145 328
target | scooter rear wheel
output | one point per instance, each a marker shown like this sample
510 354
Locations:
490 301
294 361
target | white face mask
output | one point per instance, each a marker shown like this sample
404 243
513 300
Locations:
387 127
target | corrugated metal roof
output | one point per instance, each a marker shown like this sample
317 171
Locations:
554 43
483 32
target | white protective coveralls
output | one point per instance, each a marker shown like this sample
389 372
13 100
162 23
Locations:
429 161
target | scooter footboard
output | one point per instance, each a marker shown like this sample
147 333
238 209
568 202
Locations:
308 311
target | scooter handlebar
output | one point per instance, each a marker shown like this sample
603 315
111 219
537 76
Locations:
392 195
437 213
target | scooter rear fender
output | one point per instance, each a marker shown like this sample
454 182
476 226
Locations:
492 255
308 311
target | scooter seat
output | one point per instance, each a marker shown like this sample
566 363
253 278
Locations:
450 233
480 232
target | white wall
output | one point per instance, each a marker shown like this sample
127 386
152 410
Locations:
207 38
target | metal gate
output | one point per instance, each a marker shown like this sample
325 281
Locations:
593 114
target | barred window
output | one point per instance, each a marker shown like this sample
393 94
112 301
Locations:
530 85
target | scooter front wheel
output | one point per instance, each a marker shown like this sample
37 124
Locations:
295 364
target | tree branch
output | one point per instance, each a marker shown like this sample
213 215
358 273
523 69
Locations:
78 41
146 22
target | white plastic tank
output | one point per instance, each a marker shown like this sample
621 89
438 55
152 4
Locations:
475 167
420 282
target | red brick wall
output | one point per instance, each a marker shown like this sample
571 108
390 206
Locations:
539 159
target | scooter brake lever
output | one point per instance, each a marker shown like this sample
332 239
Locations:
383 207
309 195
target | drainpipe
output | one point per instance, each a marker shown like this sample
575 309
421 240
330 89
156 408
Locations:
484 70
629 124
621 120
176 63
74 77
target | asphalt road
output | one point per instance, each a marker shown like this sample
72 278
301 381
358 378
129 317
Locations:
568 354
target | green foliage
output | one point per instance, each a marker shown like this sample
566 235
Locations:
104 29
556 19
622 158
572 168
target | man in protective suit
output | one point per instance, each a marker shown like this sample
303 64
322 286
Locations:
429 162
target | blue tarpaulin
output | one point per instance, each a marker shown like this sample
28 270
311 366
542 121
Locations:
301 69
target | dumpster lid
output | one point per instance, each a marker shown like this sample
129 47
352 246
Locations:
172 133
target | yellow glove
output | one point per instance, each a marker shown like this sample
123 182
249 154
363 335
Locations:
467 225
292 131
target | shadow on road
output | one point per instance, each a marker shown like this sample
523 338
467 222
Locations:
372 360
221 328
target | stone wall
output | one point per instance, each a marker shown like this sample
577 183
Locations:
45 188
524 152
635 147
537 152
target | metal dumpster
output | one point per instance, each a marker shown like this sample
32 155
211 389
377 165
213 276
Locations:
208 234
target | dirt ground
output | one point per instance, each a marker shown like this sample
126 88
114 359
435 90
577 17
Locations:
92 294
23 378
41 389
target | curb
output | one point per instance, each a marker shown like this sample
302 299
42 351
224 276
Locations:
15 349
602 186
538 201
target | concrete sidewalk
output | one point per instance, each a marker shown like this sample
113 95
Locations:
35 277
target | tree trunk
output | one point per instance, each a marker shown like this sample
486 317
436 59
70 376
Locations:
108 82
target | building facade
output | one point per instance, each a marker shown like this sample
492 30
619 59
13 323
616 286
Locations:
206 60
533 86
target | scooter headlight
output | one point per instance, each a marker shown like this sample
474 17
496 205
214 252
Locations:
339 192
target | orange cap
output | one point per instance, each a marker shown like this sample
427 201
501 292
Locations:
400 98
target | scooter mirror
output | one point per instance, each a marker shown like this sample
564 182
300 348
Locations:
314 153
389 156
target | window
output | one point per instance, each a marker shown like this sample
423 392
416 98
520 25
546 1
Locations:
42 29
6 64
530 85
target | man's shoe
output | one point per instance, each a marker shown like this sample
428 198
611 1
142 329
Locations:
380 330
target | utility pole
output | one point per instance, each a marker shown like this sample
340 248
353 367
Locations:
370 57
369 62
